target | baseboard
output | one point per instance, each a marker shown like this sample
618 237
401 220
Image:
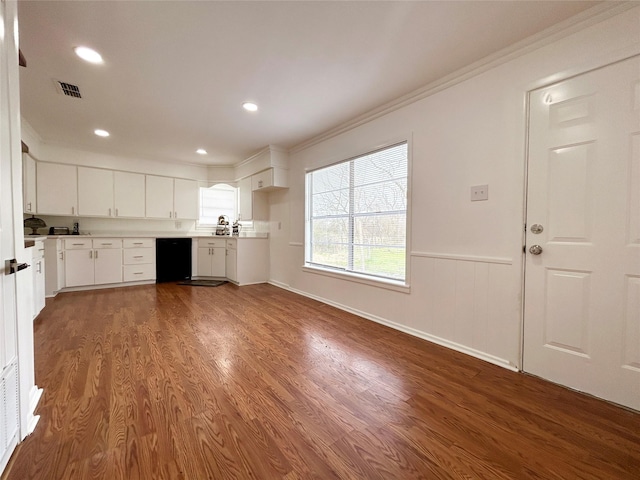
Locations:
34 398
402 328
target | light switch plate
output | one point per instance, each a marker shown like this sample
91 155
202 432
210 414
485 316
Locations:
479 192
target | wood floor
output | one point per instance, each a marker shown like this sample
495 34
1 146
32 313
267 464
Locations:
178 382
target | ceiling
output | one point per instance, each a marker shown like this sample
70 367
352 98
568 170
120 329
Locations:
176 73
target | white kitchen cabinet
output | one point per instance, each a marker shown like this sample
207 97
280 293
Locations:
95 192
248 260
245 199
171 198
185 199
159 197
79 267
29 183
54 266
56 189
92 262
232 261
139 259
38 269
129 194
211 257
270 179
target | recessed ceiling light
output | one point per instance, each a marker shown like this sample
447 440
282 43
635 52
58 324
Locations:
88 54
201 151
101 133
249 106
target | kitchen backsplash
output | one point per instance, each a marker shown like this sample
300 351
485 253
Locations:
96 226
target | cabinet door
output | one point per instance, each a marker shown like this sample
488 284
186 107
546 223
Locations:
60 270
204 262
159 197
232 265
38 284
57 189
78 267
108 265
185 199
245 199
29 183
95 192
129 194
218 262
262 180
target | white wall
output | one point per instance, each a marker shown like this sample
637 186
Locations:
466 258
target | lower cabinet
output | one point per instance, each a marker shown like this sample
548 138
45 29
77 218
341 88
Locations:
212 257
37 263
139 259
248 260
92 261
54 266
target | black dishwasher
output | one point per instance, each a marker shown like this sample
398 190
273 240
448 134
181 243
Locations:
173 259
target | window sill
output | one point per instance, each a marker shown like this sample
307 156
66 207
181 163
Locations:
354 277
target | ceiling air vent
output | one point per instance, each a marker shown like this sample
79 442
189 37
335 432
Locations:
68 89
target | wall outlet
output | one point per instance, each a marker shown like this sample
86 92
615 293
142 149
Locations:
479 192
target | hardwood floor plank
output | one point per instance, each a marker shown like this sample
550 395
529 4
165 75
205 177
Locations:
173 382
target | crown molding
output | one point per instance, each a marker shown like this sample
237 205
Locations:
578 22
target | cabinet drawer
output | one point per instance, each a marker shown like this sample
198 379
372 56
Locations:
77 243
133 273
138 256
107 243
232 244
211 242
139 243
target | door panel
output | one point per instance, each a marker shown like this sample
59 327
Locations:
582 293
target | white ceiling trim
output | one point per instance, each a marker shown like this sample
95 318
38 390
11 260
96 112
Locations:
563 29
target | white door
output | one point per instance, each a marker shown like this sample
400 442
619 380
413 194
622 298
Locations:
108 265
185 200
79 268
57 189
159 197
582 291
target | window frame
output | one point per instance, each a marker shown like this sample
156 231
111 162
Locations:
368 279
199 224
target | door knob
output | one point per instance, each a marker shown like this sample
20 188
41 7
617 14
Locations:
535 250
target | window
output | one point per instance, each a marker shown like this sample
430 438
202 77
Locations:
221 199
357 215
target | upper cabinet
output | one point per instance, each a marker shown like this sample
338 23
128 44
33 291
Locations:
159 197
95 192
171 198
270 179
245 199
129 193
57 189
29 188
185 199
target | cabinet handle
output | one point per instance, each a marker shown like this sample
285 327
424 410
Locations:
96 253
116 212
61 255
90 253
78 244
137 243
259 183
73 210
170 213
29 207
137 256
41 250
109 212
137 273
40 267
175 214
106 244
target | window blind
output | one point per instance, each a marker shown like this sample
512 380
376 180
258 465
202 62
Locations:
218 200
357 214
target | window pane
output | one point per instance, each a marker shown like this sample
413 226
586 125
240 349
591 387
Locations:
334 202
215 201
357 214
381 197
379 261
